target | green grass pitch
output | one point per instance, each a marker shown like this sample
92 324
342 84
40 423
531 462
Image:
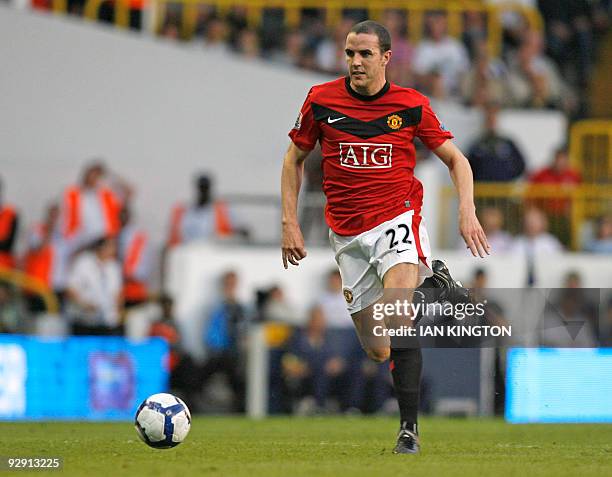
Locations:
318 446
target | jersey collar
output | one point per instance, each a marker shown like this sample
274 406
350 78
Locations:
364 97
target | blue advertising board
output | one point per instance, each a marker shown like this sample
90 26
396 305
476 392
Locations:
559 385
93 378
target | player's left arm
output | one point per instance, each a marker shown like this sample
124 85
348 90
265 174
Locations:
461 174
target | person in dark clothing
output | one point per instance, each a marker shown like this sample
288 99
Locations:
493 157
222 338
314 368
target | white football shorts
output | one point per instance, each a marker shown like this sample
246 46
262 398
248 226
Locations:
365 258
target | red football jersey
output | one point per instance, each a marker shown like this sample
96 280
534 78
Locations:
368 150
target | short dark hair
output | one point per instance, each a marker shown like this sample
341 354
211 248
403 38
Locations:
374 28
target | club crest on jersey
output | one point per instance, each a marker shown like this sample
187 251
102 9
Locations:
365 155
394 121
348 295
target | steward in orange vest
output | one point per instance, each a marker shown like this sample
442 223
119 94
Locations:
91 209
204 220
48 256
135 256
9 221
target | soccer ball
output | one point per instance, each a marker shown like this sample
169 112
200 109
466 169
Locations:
162 421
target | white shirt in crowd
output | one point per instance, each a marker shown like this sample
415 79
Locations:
537 246
99 284
334 310
94 222
447 56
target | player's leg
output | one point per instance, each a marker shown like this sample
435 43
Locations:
406 363
405 355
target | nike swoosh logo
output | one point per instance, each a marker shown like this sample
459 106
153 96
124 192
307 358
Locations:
331 121
402 251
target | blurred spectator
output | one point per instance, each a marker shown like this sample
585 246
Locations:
277 309
474 31
603 236
399 69
487 81
9 222
170 29
135 257
534 81
535 240
12 316
494 316
48 257
183 370
94 290
330 56
440 56
314 370
572 279
91 209
492 220
216 35
248 43
559 173
222 338
569 35
204 220
494 157
166 328
570 316
341 333
236 21
292 51
333 304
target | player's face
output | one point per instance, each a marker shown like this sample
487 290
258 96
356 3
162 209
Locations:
366 62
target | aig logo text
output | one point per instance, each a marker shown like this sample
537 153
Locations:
364 155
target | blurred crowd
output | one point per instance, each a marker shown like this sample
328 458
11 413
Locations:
90 255
542 70
547 69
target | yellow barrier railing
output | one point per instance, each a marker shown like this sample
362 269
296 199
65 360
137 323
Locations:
591 150
292 9
568 208
33 285
122 11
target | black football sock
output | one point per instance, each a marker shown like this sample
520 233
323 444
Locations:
406 365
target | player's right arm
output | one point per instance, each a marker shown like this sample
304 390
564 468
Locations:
304 136
292 240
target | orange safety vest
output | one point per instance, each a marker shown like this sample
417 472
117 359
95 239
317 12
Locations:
8 215
223 224
38 262
133 289
110 204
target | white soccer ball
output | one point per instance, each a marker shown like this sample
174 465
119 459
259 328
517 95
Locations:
162 421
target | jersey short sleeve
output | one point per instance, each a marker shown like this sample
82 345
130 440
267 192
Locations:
431 131
305 132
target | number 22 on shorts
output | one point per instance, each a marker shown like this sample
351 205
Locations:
399 230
